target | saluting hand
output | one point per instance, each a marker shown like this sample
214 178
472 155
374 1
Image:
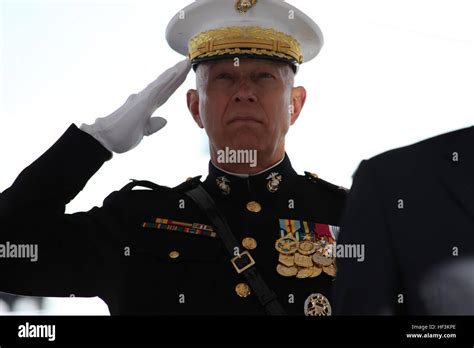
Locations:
122 130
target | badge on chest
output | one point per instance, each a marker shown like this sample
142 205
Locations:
306 249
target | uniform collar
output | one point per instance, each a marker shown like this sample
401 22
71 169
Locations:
269 181
245 176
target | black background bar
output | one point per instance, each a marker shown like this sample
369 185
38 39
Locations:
283 330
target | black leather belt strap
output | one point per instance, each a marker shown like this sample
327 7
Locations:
243 263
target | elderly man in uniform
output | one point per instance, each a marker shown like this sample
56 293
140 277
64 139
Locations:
252 238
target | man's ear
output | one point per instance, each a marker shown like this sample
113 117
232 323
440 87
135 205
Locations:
192 98
298 98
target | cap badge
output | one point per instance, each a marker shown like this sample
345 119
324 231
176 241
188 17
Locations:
244 5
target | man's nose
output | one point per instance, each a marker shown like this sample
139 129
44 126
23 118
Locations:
245 92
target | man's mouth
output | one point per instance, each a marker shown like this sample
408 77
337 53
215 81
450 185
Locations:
244 118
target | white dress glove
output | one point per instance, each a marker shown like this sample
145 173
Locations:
122 130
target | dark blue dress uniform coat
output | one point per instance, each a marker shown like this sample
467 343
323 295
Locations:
107 251
413 209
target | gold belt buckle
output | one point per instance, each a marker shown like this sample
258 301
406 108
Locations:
247 266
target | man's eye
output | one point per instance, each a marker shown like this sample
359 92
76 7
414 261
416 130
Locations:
265 75
224 76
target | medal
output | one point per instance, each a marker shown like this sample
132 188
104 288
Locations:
321 259
286 271
306 247
317 305
325 245
303 260
287 260
315 271
324 254
304 273
330 270
286 245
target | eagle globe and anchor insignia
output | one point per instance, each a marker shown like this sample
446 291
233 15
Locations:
244 5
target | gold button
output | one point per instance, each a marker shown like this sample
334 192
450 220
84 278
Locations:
249 243
242 289
254 207
174 254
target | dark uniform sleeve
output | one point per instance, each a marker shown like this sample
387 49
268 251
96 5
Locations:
76 252
367 287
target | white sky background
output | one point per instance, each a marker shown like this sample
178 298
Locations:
391 72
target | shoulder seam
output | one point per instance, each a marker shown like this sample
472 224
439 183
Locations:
314 178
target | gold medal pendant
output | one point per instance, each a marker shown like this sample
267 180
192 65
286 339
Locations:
286 271
315 271
286 260
303 260
306 247
304 273
330 270
324 243
286 245
322 260
325 252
